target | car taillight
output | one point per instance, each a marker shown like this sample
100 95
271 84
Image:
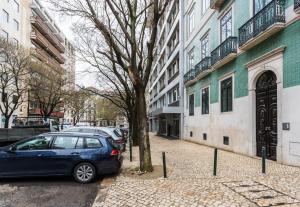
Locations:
114 152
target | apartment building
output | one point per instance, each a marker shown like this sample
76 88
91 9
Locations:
10 29
242 76
166 80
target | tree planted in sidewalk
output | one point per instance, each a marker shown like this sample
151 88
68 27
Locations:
113 81
129 29
14 65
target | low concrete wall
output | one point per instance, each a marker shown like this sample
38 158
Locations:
13 135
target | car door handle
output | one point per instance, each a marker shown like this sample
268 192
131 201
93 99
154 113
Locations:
75 153
40 155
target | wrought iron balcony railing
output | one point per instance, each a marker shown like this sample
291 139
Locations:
297 5
226 48
202 66
190 75
272 13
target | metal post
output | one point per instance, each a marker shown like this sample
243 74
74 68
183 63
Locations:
215 161
263 154
164 164
130 149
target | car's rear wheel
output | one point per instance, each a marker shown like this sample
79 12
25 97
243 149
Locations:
84 172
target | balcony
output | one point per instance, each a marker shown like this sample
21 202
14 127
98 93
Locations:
297 6
216 4
38 38
224 53
43 28
267 22
202 69
40 54
170 109
43 56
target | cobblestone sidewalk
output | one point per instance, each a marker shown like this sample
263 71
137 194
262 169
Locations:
190 181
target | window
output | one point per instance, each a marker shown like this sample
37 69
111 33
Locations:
191 105
226 95
4 35
62 142
80 143
38 143
173 95
5 16
173 69
259 5
93 143
205 47
191 59
205 100
16 25
226 140
226 26
16 6
191 20
205 5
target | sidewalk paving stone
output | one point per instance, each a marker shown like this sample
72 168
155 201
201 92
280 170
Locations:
239 181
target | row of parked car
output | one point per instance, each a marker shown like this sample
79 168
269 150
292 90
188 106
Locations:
81 152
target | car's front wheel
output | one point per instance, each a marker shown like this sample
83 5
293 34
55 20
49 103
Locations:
84 172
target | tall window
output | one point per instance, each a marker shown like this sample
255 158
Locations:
173 95
226 26
16 25
205 100
4 35
16 6
5 16
191 59
191 19
259 5
226 95
205 46
191 105
205 5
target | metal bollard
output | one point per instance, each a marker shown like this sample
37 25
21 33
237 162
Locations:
215 162
263 160
130 150
164 164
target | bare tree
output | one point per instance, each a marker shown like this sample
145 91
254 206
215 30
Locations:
114 81
75 102
14 65
129 29
46 87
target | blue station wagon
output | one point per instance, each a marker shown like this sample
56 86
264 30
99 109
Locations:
83 156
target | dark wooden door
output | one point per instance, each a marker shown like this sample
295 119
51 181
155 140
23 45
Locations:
266 114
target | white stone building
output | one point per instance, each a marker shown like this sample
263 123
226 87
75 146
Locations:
166 80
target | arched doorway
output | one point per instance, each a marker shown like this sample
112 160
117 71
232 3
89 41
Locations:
266 114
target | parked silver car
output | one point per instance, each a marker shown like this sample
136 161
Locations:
113 132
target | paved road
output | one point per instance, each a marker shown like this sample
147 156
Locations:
47 192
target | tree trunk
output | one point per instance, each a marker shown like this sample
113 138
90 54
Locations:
143 131
6 122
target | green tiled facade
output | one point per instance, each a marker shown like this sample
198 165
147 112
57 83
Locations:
288 37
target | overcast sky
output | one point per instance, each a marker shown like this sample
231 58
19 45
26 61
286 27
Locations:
65 25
